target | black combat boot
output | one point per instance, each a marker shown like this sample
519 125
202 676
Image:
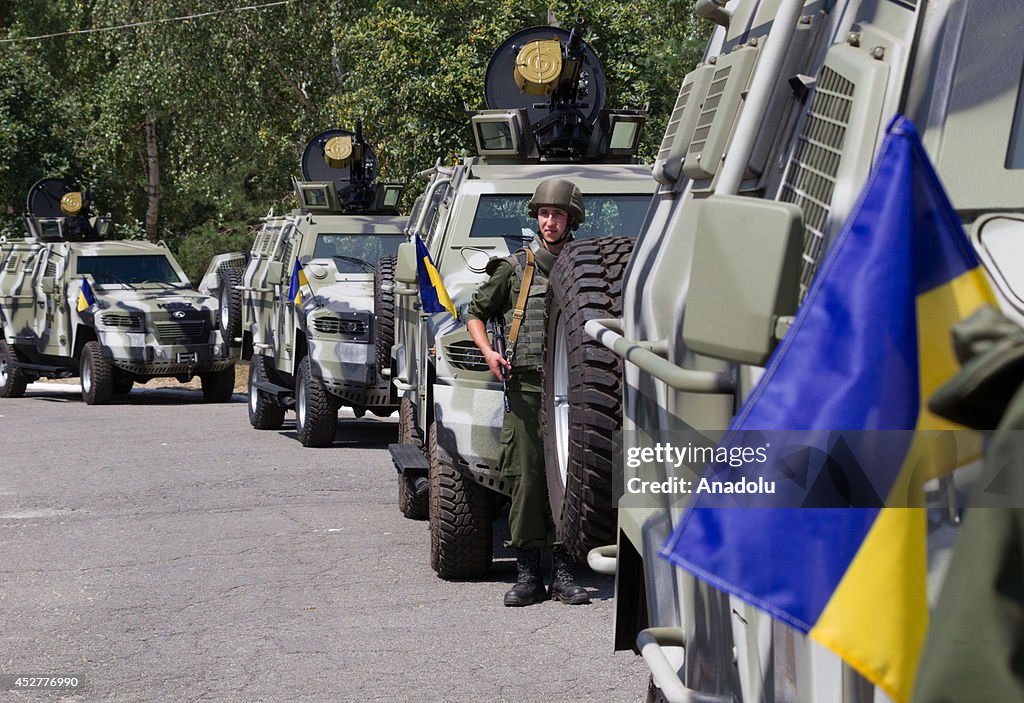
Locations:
563 585
529 588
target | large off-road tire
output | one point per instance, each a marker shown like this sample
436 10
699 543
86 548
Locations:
384 311
316 411
264 412
218 386
412 506
12 381
230 304
97 375
582 397
460 520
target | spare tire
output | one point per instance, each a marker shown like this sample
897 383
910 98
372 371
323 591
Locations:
384 311
581 404
230 304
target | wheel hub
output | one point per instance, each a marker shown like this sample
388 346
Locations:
253 400
560 388
225 309
300 404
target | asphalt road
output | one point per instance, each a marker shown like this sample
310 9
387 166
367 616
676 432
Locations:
163 550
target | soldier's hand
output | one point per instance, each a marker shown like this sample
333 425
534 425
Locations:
495 362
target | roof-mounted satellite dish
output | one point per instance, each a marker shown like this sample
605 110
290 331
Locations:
54 197
527 66
339 156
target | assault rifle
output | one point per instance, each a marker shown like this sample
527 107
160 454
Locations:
498 324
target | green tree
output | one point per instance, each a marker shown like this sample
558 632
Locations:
192 129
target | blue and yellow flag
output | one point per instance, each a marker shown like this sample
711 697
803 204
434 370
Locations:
869 343
86 299
433 294
296 284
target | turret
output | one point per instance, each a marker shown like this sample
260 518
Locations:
59 211
338 170
545 91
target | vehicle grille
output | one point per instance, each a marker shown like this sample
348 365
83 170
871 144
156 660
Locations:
335 325
181 332
811 179
465 355
121 321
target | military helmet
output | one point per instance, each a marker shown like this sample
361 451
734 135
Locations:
562 194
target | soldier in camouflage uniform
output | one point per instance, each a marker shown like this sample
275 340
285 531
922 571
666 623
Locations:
558 207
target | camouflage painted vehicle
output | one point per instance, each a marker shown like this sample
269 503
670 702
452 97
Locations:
300 304
779 126
111 312
451 409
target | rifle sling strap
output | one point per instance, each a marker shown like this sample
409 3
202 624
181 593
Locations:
520 310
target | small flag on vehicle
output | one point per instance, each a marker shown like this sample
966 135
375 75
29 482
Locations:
86 299
433 294
298 280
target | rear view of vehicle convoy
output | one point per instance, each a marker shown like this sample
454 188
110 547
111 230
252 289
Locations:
771 139
112 312
545 91
300 304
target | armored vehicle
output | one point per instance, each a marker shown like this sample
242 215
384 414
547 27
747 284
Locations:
111 312
545 92
300 304
771 140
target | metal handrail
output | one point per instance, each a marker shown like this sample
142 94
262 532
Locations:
650 643
604 559
649 357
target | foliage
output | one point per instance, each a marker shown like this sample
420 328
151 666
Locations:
236 95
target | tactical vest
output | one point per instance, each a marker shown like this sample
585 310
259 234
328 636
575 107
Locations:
529 351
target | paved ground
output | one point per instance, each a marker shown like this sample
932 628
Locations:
163 550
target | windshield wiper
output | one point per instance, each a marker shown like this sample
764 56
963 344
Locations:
356 261
117 279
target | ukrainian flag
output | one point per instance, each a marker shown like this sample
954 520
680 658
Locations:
869 343
296 284
433 294
86 299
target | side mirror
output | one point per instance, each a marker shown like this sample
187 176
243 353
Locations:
745 277
275 273
48 284
405 267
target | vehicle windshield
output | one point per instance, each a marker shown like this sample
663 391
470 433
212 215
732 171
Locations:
128 269
356 253
611 215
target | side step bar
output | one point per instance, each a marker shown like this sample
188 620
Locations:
413 465
285 396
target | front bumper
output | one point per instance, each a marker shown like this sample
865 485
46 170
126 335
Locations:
348 370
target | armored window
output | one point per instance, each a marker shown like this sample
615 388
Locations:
506 216
128 269
1015 154
356 253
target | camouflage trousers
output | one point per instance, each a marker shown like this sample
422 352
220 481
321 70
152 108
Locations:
522 466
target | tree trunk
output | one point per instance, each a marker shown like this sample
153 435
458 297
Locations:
153 177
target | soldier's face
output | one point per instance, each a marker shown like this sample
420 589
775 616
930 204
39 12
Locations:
552 222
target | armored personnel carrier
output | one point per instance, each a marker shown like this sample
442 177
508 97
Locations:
110 312
300 304
545 118
770 142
